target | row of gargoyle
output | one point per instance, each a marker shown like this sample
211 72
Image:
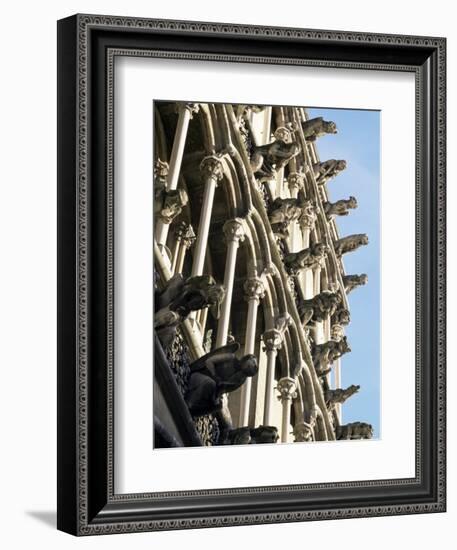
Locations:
265 161
268 159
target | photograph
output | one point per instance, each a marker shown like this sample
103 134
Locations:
267 268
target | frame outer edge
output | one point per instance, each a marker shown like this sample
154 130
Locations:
78 507
67 454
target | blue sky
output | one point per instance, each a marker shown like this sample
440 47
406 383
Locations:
358 142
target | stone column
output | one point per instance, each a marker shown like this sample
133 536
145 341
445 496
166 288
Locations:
185 237
186 111
319 329
307 222
337 332
295 184
254 292
284 134
337 384
287 390
234 233
201 319
212 170
273 341
317 280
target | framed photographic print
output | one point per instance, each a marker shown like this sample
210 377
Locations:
251 274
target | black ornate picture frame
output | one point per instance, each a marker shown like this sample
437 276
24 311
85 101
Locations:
87 47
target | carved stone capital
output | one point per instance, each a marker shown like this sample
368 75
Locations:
337 332
161 169
184 233
212 167
254 289
173 203
309 216
192 108
272 340
295 180
287 388
234 230
270 269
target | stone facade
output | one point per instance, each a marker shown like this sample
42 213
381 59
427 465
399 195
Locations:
251 293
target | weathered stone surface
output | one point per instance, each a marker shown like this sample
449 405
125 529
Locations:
178 355
208 430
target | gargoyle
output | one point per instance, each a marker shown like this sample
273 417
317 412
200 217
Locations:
287 210
238 436
319 308
339 208
341 316
350 243
251 436
267 159
327 170
354 430
318 127
191 295
333 397
353 281
325 354
215 374
306 258
179 298
264 434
